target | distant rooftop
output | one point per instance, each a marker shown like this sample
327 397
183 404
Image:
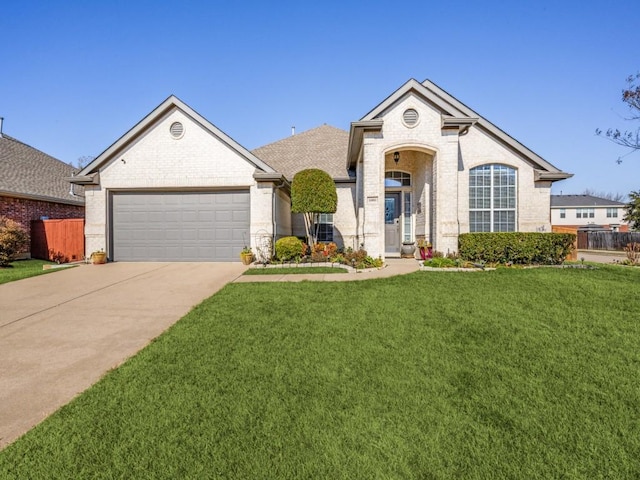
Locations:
582 201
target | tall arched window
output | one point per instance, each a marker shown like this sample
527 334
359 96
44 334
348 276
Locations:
492 199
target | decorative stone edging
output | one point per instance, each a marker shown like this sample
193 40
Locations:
454 269
293 266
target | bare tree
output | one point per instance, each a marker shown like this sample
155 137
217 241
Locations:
616 197
83 161
627 138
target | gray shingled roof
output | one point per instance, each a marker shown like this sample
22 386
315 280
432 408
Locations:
323 147
582 201
28 172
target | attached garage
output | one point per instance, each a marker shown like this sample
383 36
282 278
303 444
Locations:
175 188
179 226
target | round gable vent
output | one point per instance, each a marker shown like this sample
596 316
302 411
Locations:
410 117
177 130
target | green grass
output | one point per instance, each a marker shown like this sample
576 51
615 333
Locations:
518 374
293 270
24 269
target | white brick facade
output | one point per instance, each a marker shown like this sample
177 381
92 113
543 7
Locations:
198 160
437 150
439 157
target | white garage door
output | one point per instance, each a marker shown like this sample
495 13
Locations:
179 226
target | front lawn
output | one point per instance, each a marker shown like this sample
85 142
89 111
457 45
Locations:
514 373
23 269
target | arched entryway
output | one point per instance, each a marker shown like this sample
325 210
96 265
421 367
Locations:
407 198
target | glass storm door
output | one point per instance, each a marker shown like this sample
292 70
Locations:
392 209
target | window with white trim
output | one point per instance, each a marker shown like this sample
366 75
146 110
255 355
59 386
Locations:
325 227
492 199
612 213
585 212
563 213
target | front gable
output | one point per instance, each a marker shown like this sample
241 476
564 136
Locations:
174 145
443 113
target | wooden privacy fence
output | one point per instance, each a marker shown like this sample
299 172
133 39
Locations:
58 240
606 240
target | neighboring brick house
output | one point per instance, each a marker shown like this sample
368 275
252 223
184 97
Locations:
34 185
419 165
576 211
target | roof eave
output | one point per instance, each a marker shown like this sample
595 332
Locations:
462 124
356 136
278 179
92 179
43 198
546 176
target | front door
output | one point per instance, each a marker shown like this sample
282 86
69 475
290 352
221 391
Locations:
392 208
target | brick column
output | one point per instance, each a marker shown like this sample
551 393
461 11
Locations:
373 196
446 193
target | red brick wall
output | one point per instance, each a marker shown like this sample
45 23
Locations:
23 211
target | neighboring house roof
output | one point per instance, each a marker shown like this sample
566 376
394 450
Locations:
88 175
26 172
563 201
323 147
453 112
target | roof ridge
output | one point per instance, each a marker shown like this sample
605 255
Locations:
303 133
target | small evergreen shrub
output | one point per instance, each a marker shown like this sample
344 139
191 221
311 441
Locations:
13 240
523 248
289 248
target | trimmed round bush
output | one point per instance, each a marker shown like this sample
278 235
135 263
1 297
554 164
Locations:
289 248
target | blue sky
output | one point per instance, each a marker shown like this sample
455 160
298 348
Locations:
75 76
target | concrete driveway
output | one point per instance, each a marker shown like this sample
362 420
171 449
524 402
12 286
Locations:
61 332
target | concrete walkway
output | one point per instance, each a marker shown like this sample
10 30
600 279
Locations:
61 332
394 266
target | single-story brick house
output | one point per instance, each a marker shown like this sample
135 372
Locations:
33 185
419 165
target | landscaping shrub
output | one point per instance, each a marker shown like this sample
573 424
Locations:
516 247
13 240
440 262
289 248
323 252
360 259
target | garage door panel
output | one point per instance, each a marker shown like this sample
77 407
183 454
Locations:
189 216
238 235
206 216
224 235
240 216
179 226
224 216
